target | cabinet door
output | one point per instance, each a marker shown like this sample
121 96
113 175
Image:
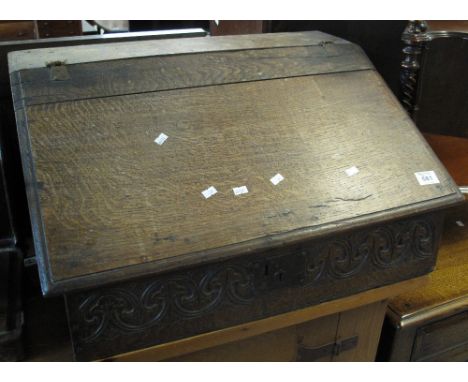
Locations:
347 336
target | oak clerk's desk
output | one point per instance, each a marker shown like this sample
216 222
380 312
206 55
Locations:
290 177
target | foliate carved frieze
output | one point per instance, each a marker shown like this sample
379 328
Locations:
139 305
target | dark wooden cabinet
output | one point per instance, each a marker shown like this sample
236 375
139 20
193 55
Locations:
434 76
11 310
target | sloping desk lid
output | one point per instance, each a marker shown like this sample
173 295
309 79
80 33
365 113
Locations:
108 203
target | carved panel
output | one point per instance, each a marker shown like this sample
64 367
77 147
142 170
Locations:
110 311
206 292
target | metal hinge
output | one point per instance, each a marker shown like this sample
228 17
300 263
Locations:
307 354
58 71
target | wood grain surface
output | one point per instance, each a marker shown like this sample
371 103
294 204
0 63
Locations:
109 204
366 323
54 42
39 58
156 73
111 197
448 284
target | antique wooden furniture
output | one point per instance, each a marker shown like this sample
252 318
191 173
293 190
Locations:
15 233
431 323
380 39
122 151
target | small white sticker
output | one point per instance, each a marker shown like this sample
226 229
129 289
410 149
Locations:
161 139
352 171
209 192
240 190
460 223
276 179
426 177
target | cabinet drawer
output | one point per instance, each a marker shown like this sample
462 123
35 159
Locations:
443 340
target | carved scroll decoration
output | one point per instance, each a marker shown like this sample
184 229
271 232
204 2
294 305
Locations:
112 311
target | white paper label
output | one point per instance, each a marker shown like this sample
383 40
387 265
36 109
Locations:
240 190
209 192
460 223
276 179
426 177
352 171
161 139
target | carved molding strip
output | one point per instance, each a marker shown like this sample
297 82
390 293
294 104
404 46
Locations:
138 306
